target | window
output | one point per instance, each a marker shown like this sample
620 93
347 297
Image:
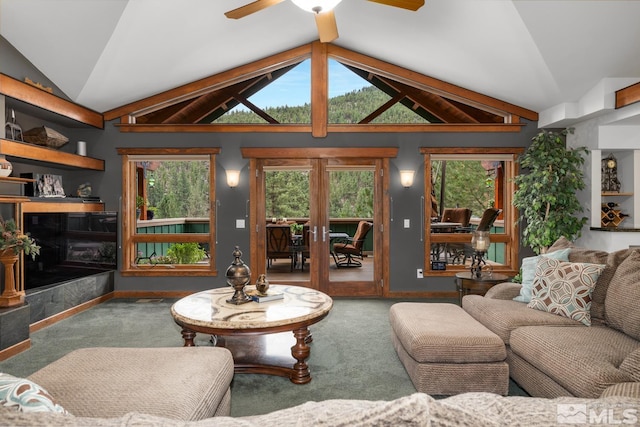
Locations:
460 185
168 213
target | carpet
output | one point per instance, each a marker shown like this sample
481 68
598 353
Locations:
351 354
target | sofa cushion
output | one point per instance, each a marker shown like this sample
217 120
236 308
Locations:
528 269
593 256
503 316
631 365
26 396
623 297
564 288
583 360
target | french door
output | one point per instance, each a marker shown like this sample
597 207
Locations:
315 265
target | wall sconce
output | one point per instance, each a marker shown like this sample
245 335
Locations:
233 178
480 243
406 178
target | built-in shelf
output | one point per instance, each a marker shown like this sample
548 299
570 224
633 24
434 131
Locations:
21 151
626 205
57 207
14 180
611 193
48 102
616 229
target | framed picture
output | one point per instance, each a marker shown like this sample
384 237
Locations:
45 185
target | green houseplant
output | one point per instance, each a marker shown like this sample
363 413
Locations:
546 194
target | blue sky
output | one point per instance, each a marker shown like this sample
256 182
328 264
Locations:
294 88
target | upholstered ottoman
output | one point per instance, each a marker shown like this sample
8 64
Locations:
446 351
183 383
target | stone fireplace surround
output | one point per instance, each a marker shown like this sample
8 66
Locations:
47 301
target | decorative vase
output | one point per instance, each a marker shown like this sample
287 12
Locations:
5 167
238 276
10 295
262 284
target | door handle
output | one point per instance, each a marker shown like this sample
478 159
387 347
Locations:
315 233
324 233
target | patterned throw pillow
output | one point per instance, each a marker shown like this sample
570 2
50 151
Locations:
529 272
26 396
564 288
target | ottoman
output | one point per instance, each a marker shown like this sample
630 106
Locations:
183 383
446 351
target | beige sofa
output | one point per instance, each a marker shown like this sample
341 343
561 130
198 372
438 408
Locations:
550 355
470 409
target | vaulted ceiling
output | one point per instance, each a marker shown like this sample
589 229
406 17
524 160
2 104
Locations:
535 54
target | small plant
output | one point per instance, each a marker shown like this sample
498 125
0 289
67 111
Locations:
186 253
296 228
139 202
11 237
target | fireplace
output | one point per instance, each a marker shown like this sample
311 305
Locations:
73 245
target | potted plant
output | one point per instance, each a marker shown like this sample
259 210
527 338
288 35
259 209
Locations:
546 194
296 229
139 206
13 242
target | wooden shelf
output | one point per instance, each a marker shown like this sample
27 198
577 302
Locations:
13 199
46 101
14 180
610 193
63 207
25 151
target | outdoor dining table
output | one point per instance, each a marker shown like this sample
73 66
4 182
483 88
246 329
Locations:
439 248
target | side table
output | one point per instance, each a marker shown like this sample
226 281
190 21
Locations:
466 283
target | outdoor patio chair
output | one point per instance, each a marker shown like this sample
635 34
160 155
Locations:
460 215
278 242
345 254
489 216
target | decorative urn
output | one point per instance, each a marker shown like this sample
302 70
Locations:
238 276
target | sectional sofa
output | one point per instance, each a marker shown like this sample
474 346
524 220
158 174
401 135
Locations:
578 340
418 409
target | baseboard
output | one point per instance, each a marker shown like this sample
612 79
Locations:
68 313
15 349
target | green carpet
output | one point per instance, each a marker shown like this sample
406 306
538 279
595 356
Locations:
351 354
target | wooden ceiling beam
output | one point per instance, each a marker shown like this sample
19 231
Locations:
204 105
384 107
434 104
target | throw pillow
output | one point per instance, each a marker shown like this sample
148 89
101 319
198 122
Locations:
529 272
564 288
26 396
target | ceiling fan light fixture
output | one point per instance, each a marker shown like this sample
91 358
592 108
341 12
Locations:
316 6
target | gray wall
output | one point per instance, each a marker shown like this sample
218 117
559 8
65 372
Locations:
406 249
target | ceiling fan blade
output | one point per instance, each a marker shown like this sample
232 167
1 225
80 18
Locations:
250 8
327 27
403 4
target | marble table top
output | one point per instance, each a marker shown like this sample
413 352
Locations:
209 308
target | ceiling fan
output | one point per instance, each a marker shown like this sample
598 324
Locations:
323 10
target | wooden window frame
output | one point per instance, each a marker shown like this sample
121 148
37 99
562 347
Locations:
510 237
130 238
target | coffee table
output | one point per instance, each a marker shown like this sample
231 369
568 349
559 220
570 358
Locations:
257 332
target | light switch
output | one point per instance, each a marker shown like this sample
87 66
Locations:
239 223
407 223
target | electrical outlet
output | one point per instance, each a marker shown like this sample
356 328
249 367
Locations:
419 274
